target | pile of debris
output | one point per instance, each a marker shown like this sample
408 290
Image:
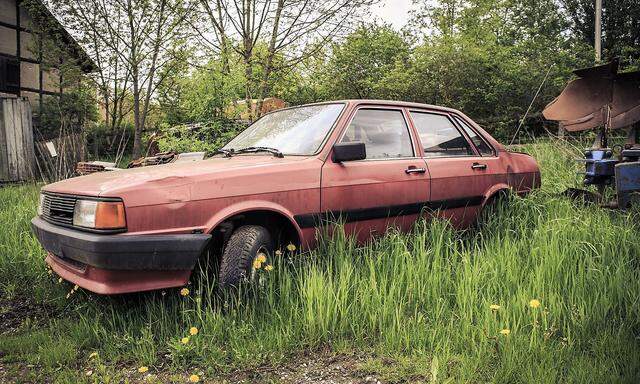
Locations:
88 167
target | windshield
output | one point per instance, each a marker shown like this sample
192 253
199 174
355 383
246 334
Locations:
295 131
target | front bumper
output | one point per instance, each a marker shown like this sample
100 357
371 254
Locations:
110 264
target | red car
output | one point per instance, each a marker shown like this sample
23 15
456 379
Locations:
371 164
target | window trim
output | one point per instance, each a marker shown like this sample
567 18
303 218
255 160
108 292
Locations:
383 108
457 119
448 116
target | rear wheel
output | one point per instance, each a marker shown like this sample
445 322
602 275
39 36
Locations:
243 254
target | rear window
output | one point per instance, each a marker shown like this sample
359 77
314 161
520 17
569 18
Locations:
483 147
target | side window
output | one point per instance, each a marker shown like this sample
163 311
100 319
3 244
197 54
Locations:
384 133
439 137
484 148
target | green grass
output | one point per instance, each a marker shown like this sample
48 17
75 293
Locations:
421 301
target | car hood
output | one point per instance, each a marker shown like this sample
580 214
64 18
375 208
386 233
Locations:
167 177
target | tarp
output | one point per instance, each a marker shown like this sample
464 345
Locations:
599 95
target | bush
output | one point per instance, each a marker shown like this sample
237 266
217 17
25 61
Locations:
202 137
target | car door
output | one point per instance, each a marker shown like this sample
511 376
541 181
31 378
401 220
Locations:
388 188
460 173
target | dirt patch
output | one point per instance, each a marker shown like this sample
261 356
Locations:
322 368
15 311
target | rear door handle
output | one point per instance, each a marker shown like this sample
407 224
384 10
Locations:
478 166
413 169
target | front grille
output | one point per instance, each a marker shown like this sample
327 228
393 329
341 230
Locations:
58 209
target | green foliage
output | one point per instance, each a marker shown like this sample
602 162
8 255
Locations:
620 26
206 137
74 110
421 300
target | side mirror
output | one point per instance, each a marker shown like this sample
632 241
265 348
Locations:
349 152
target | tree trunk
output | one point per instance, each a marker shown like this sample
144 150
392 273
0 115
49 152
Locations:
264 84
137 137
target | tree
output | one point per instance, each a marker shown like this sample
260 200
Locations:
131 41
291 30
620 24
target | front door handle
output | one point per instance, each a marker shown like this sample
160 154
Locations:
478 166
413 169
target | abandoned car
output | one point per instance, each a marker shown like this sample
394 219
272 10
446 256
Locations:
370 164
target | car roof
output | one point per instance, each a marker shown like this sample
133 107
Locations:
394 103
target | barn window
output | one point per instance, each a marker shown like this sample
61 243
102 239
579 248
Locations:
9 75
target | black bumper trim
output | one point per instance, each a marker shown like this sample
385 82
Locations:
121 252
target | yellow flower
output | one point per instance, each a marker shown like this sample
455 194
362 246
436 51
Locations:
256 264
75 287
194 378
494 307
60 280
68 295
193 331
184 291
505 332
262 257
143 369
184 340
291 247
534 303
278 253
268 268
93 354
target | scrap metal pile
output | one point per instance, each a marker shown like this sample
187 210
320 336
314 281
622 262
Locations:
89 167
603 98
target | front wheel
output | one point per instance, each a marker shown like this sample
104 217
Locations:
244 251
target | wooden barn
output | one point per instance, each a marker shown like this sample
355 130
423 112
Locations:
25 77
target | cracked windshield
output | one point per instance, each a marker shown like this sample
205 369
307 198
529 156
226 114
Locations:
296 131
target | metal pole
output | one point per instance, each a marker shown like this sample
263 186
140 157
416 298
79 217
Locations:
598 35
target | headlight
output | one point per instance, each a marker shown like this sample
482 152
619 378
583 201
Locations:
40 203
99 214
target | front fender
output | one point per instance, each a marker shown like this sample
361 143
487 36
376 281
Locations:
247 206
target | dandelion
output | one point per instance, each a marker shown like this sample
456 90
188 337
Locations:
93 354
184 291
268 268
505 332
262 257
143 369
534 303
291 247
194 378
278 253
256 264
184 340
494 307
68 295
193 331
75 287
60 280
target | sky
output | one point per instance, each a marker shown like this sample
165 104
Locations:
394 12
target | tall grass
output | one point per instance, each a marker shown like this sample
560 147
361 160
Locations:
424 297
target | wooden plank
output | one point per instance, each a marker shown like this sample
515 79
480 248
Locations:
27 126
4 162
17 124
10 131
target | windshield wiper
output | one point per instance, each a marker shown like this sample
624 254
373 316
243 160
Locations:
225 152
273 151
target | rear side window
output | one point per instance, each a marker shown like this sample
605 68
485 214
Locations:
383 131
484 148
439 136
